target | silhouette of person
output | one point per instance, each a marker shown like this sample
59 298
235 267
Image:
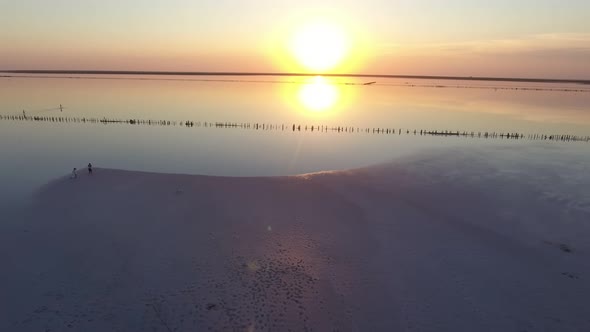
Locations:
74 174
90 168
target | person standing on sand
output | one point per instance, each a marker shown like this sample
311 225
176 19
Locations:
90 168
74 174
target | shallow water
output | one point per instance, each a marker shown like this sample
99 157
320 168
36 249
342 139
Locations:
34 152
481 223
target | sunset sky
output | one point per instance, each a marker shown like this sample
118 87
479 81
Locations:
526 38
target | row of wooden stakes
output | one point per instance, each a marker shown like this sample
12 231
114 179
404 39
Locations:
298 128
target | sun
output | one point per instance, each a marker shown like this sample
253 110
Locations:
320 46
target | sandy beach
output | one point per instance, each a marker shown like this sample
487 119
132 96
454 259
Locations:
445 241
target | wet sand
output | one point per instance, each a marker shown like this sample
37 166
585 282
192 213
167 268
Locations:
453 241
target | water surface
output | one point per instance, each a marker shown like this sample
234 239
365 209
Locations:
34 152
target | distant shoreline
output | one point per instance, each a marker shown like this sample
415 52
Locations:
198 73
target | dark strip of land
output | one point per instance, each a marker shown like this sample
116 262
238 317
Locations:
203 73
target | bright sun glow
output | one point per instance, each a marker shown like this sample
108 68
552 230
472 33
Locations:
320 46
318 95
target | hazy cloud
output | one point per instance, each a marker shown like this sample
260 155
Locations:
554 42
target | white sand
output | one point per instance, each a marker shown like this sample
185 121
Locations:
453 241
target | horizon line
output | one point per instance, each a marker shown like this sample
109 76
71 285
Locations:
221 73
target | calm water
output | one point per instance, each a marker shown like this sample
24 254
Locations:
36 152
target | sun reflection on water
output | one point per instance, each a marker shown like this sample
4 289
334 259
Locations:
318 95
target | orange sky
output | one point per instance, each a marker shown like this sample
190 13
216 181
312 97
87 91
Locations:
541 38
